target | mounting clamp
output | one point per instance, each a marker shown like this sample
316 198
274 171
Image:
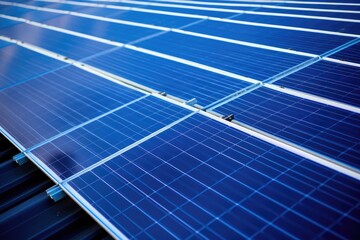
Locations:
20 158
229 117
56 193
191 102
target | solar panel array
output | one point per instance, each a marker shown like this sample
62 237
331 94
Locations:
190 119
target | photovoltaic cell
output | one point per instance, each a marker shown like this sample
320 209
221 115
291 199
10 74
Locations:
174 78
315 43
327 79
247 61
111 31
323 6
43 107
27 13
328 130
312 13
73 152
19 64
3 44
112 149
350 54
141 17
61 43
60 6
190 11
335 26
202 179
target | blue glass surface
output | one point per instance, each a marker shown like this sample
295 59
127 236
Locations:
247 61
43 107
190 11
61 43
325 129
71 153
4 44
19 64
111 31
174 78
4 23
202 179
296 40
314 13
327 79
336 26
61 6
27 13
350 54
141 17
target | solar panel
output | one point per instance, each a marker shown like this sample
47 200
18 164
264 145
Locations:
82 147
335 26
322 128
26 13
310 42
327 79
349 54
74 47
50 104
155 152
19 65
247 61
203 179
112 31
179 80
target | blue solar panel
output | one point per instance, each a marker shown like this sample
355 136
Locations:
336 26
243 60
313 13
6 23
296 40
145 167
47 105
60 6
327 79
73 152
174 78
331 131
4 44
203 179
26 13
350 54
111 31
64 44
189 11
142 17
19 64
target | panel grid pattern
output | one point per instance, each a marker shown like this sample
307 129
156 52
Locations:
204 178
325 129
155 169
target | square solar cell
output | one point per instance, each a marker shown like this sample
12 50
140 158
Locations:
251 62
19 64
27 13
141 17
350 54
327 79
112 31
180 80
322 128
318 24
38 109
178 185
68 154
309 42
61 43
